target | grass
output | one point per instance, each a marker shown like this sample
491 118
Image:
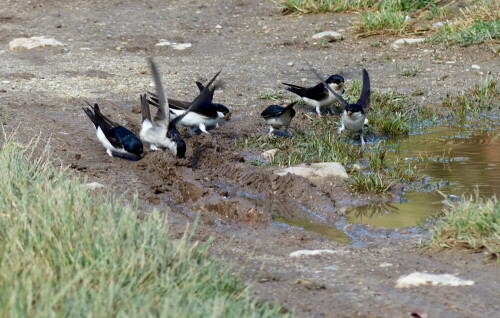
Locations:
407 70
271 95
68 251
471 22
388 21
374 182
482 97
473 223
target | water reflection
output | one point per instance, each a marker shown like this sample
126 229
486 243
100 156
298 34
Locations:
456 161
325 230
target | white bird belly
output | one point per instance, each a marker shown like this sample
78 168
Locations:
283 120
105 142
194 119
353 122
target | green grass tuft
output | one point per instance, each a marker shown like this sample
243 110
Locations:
271 95
393 22
476 33
407 70
373 182
473 223
483 96
69 251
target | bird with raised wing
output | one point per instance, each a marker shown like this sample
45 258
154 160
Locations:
319 96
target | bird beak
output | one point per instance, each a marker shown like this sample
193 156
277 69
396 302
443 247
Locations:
349 113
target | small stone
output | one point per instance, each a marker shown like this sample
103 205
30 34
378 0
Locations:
409 41
303 80
476 67
418 278
331 268
384 265
356 167
269 153
94 185
163 43
318 173
33 42
439 24
289 64
181 46
301 253
407 18
331 36
218 26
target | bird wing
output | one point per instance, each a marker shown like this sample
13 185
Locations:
317 92
271 111
146 114
364 98
200 86
341 100
163 114
107 126
201 99
172 103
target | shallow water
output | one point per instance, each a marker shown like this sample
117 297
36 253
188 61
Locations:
455 160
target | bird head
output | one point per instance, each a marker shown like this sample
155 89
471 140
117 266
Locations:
179 146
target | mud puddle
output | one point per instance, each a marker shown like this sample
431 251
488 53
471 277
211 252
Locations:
454 160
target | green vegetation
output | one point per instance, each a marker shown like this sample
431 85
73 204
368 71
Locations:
271 95
484 96
69 251
473 223
407 70
473 22
393 22
374 182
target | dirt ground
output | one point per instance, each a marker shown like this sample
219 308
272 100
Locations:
103 60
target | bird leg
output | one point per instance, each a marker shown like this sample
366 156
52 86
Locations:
362 139
271 129
109 152
318 110
203 128
341 128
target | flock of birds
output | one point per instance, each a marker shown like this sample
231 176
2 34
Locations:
161 131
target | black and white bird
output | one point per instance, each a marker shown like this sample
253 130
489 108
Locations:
206 114
319 96
278 116
162 130
118 140
354 115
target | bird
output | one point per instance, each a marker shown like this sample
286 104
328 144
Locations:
162 131
278 116
206 114
319 96
354 115
118 140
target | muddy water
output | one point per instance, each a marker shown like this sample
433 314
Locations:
455 160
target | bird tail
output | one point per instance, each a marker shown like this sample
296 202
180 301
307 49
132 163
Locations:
91 115
299 90
290 105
